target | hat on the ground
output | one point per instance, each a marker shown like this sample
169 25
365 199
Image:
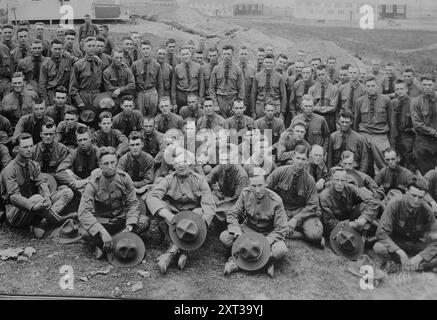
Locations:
87 116
67 233
51 181
346 241
127 250
188 230
4 139
104 101
251 251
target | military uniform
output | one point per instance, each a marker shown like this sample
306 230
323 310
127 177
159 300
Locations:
317 129
22 186
30 124
6 69
300 88
128 124
149 85
81 163
31 68
67 136
187 113
286 145
348 95
119 78
19 53
163 124
393 179
154 144
298 191
248 75
210 122
5 126
226 84
402 228
140 169
114 138
167 77
276 125
187 79
17 104
362 180
57 113
325 95
266 216
431 178
87 30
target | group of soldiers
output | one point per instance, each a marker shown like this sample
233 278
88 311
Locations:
116 135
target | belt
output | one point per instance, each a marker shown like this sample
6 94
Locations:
151 89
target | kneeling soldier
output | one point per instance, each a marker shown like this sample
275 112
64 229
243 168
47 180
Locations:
109 205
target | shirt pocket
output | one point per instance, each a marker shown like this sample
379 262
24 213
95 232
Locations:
381 114
364 112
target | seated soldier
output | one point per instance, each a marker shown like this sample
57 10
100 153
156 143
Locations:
289 140
32 123
297 189
138 164
192 110
109 205
128 119
270 122
227 179
261 158
167 119
26 194
108 137
344 201
317 167
57 111
210 119
66 130
239 122
364 182
81 162
430 179
407 229
154 143
180 190
258 209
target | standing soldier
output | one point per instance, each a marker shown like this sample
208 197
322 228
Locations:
187 78
128 47
388 83
332 72
372 120
268 87
86 77
208 67
315 63
100 47
31 66
148 80
69 44
7 31
248 75
167 72
136 42
6 70
57 111
402 134
227 83
88 29
270 122
118 77
22 50
109 44
325 97
172 58
300 88
40 27
260 55
55 72
343 76
376 71
424 115
32 123
408 76
351 91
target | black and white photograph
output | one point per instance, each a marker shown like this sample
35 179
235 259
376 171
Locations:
239 151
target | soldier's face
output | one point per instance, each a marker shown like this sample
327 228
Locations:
225 160
108 164
227 55
238 109
7 34
103 31
56 50
428 87
36 49
39 30
165 107
300 160
343 75
401 90
87 20
135 38
269 111
298 67
146 50
389 70
186 55
270 50
39 110
48 134
213 57
118 59
307 107
128 45
128 107
106 124
192 103
60 33
258 185
408 77
415 197
317 155
299 133
171 47
375 66
300 56
18 84
83 141
69 40
322 76
269 64
260 56
306 74
135 146
161 54
70 120
208 108
339 180
371 87
243 55
100 46
23 37
90 47
345 124
353 74
348 163
60 99
331 64
315 64
25 148
282 63
391 159
199 58
148 126
181 165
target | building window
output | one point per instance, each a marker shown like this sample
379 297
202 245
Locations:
401 9
389 8
380 9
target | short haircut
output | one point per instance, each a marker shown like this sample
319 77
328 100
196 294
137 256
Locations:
321 67
243 48
190 95
8 26
283 56
184 48
87 15
261 49
22 29
164 98
307 97
428 77
82 130
417 183
390 64
100 38
56 41
199 51
170 40
213 49
207 98
70 32
40 24
336 169
145 43
371 78
127 98
135 135
49 123
228 47
331 58
24 136
37 41
71 110
148 118
299 123
105 114
345 67
408 69
61 89
104 151
301 150
388 150
269 56
346 114
89 39
17 74
126 38
238 100
400 81
105 26
347 154
316 59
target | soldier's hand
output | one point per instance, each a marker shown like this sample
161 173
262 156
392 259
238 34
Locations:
415 261
167 215
107 240
292 223
320 184
128 228
43 204
403 256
